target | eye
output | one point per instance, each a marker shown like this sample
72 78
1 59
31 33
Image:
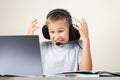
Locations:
60 31
52 32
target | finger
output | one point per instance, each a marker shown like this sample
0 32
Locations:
34 20
80 23
76 27
35 28
35 23
84 22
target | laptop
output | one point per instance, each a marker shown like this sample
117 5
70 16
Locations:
20 56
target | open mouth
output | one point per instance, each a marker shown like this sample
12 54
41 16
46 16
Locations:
59 41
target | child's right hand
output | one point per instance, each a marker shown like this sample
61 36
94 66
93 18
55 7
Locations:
33 26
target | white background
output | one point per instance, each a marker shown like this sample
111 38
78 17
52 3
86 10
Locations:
102 16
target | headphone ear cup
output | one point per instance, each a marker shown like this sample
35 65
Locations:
73 34
45 32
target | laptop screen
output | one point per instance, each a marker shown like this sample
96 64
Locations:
20 56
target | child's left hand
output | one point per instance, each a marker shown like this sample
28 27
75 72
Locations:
83 29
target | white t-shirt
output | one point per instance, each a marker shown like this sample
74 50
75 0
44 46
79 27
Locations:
57 59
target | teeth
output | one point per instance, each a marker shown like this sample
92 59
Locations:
59 40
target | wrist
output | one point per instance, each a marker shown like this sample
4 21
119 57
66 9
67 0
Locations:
86 42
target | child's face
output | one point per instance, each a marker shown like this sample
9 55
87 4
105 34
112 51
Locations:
58 31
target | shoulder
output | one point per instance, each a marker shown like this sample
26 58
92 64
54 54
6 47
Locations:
45 43
74 43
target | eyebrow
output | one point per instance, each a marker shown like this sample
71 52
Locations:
59 28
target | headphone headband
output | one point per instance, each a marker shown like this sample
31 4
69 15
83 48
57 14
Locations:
62 11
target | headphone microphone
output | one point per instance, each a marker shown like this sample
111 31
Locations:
58 43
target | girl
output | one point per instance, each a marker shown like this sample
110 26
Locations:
65 52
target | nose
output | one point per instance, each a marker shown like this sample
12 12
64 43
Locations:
56 36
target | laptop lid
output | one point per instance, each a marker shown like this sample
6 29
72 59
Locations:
20 56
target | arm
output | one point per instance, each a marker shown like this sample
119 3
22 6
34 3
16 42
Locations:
86 61
32 27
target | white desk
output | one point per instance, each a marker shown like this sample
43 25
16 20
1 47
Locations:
60 78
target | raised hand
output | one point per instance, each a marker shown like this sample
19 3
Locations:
33 26
83 29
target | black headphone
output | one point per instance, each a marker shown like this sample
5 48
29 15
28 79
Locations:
73 33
